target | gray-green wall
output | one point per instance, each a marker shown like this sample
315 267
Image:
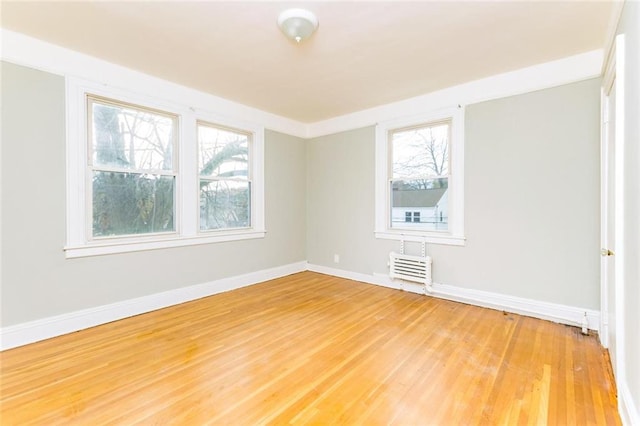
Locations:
532 196
37 280
531 207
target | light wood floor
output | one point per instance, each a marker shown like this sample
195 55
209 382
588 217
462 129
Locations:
310 348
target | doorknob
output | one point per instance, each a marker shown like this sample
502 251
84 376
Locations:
606 252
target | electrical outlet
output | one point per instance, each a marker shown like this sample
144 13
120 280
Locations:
336 258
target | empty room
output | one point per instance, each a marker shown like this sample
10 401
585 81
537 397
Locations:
387 212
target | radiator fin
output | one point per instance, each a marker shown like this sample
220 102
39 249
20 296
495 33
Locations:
410 268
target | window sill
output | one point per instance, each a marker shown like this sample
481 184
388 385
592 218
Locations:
447 239
113 247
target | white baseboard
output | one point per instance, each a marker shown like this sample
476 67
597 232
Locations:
627 408
555 312
356 276
33 331
562 314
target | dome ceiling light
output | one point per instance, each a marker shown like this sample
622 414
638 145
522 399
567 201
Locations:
297 24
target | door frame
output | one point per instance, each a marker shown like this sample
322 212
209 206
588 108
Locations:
608 81
614 72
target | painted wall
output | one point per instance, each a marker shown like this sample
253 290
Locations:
550 157
340 201
629 25
531 172
37 280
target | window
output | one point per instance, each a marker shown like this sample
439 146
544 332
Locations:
132 169
145 173
420 174
410 217
225 179
419 178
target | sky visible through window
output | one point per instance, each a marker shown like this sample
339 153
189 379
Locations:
222 153
422 151
129 138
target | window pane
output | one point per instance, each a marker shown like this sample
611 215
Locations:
224 204
223 153
420 204
421 151
130 138
132 203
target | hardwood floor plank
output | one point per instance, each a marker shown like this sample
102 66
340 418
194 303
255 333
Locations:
312 349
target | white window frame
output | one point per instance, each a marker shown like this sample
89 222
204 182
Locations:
92 167
79 241
455 234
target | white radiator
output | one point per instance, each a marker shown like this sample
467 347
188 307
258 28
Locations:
410 268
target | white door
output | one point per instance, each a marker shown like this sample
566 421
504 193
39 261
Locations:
612 226
608 332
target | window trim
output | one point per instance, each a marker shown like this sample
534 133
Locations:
383 177
78 231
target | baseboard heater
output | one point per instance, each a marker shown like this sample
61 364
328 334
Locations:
411 268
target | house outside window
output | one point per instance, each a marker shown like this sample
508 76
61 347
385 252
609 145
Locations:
419 178
420 174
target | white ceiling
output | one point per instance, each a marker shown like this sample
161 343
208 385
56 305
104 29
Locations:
364 54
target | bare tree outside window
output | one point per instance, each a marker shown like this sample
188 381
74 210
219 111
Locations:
421 153
420 176
133 182
225 184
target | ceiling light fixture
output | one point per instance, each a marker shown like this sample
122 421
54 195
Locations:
297 24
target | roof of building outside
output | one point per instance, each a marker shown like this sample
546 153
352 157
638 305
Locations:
417 197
